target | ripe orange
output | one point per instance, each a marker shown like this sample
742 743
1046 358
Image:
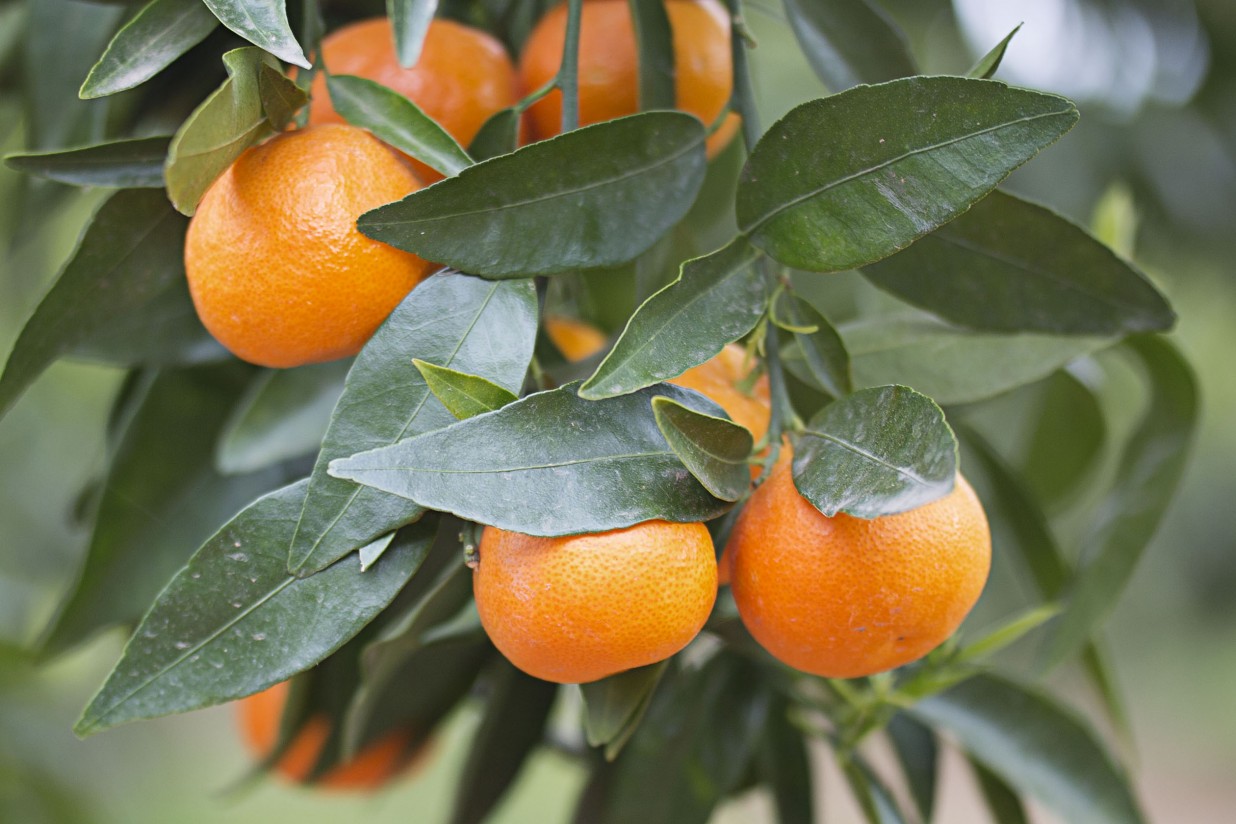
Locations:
463 76
278 271
259 715
575 339
844 597
609 65
578 608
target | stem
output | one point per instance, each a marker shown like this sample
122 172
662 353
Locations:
568 72
742 99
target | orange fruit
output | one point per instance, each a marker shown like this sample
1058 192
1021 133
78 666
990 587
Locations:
575 339
278 272
844 597
609 65
463 75
578 608
259 716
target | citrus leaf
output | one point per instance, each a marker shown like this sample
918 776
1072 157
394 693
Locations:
498 135
918 754
410 21
283 414
158 34
1007 633
848 42
234 621
281 97
462 394
846 180
1068 438
453 320
990 62
1003 804
655 43
1008 265
713 449
785 766
264 23
369 554
614 706
715 300
597 196
876 452
396 120
823 349
1035 745
548 464
874 799
120 164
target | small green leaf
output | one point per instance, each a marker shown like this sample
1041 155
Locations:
396 120
1068 438
410 21
990 62
846 180
281 97
158 34
372 551
876 452
1002 802
785 766
548 464
824 351
918 754
498 135
715 300
1009 632
597 196
264 23
875 800
614 706
462 394
121 164
655 43
713 449
849 42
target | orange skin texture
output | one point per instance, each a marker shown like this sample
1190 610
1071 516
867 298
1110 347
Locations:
258 717
844 597
579 608
278 272
609 65
463 75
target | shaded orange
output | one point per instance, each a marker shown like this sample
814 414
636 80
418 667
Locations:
575 339
719 378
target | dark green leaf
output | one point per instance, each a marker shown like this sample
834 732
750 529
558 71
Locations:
158 34
410 20
785 766
510 731
548 464
453 320
122 164
283 415
849 179
1038 747
715 300
824 351
1012 266
849 42
597 196
498 135
462 394
263 23
875 800
614 706
876 452
919 755
1003 804
397 121
655 42
1067 439
234 621
990 62
713 449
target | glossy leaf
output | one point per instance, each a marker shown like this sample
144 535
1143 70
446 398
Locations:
499 135
597 196
1002 802
264 23
615 706
876 452
919 756
785 766
655 43
1008 265
462 394
823 349
548 464
847 180
120 164
396 120
713 449
1038 747
410 21
1067 439
236 602
849 42
158 34
452 320
987 65
715 300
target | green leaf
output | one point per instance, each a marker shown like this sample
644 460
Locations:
281 97
1038 747
1012 266
283 415
918 754
849 42
128 258
713 449
784 765
158 34
264 23
1007 633
846 180
234 621
1002 802
548 464
876 452
462 394
369 554
597 196
614 706
451 320
715 300
410 21
121 164
1068 437
990 62
655 43
823 350
875 800
396 120
498 135
953 365
510 731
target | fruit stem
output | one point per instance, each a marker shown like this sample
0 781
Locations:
568 72
742 99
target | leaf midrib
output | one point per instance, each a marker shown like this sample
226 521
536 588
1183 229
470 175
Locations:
857 450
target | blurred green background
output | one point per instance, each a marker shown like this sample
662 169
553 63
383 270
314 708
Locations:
1156 82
